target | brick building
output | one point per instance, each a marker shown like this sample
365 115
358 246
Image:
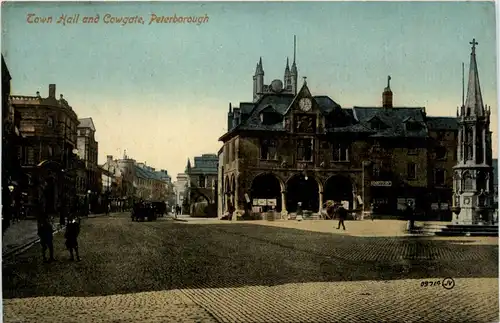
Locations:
49 127
285 147
88 149
202 185
127 180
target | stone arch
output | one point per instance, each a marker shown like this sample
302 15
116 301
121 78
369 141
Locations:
306 191
267 185
339 188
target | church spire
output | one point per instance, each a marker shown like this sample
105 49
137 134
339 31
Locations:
188 166
294 74
474 100
287 79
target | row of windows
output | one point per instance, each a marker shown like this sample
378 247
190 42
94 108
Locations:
340 152
203 183
305 149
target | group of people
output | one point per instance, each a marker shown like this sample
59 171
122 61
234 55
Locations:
143 210
46 235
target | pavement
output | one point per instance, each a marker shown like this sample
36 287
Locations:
170 271
23 234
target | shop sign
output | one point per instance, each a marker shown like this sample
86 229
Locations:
381 183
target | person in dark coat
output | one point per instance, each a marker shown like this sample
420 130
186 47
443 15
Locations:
71 236
45 232
342 214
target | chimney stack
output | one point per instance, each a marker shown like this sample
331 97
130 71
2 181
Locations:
110 158
387 95
52 91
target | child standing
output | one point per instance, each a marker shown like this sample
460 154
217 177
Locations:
71 235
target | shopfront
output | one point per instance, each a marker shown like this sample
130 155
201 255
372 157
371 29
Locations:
382 198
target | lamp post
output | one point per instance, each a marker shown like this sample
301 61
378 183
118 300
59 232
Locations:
88 201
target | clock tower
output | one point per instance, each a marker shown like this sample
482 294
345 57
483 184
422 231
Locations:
473 174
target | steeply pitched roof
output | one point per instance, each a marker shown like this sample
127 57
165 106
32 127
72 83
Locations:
86 123
442 123
279 103
395 120
474 100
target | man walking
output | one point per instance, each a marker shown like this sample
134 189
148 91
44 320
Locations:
342 214
45 232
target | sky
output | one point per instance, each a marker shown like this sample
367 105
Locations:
161 91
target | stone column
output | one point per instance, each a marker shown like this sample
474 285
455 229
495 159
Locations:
354 200
320 202
284 212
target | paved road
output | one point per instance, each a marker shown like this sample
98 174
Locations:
169 271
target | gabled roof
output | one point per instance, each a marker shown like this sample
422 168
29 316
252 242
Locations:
86 123
276 102
442 123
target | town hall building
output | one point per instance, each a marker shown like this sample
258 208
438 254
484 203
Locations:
288 148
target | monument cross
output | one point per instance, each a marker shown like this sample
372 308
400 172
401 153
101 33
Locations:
474 43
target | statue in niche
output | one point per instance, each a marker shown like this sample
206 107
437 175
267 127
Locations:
287 124
305 124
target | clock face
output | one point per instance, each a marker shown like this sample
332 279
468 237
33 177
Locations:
305 104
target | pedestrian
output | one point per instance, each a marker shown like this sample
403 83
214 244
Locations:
410 216
342 214
71 236
231 210
45 232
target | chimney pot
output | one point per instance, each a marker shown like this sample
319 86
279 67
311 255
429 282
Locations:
52 91
109 157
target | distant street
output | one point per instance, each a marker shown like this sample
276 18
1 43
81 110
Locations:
169 271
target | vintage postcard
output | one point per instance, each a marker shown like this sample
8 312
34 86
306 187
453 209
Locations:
249 162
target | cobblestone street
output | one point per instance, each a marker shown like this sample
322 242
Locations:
168 271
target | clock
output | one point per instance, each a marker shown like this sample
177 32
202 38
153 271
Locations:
466 201
305 104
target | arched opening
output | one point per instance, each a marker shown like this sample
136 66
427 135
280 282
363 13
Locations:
338 188
467 181
232 199
303 189
266 192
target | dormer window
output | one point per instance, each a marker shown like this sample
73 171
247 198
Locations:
413 126
269 116
377 124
